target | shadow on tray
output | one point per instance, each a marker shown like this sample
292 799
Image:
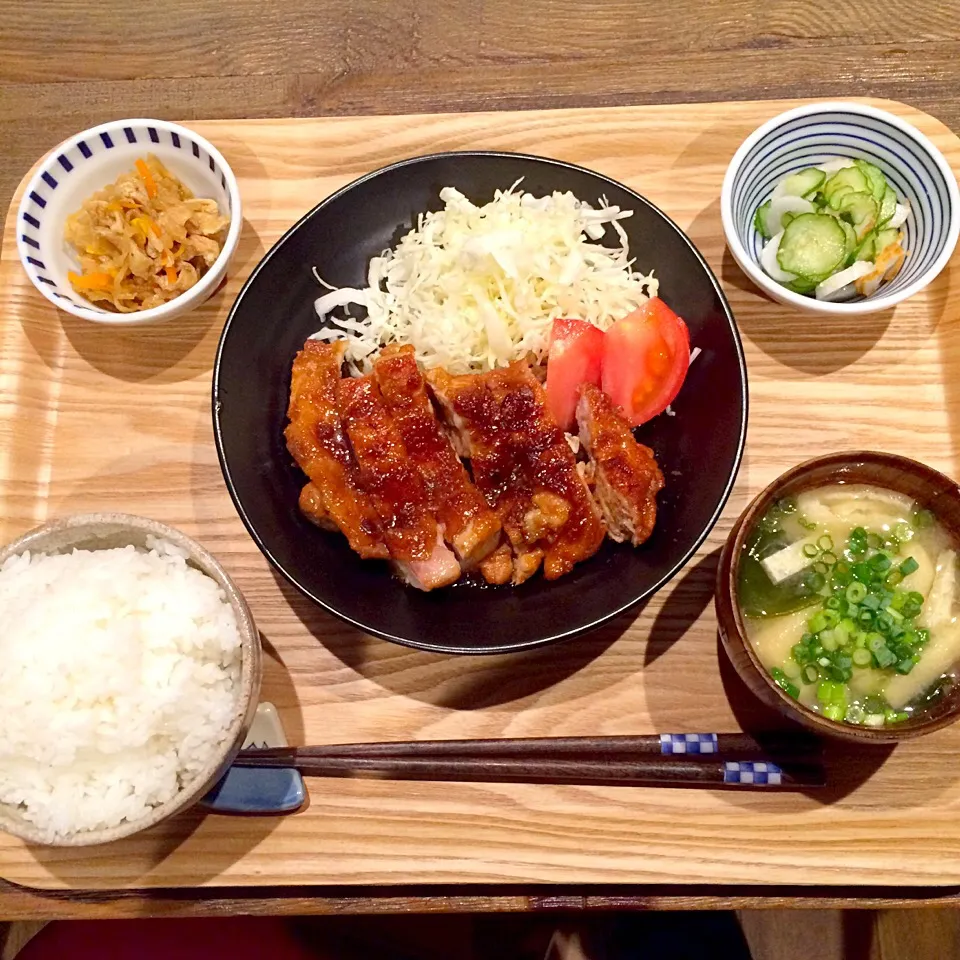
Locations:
488 681
691 594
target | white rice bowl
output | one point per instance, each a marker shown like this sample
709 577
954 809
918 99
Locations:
120 676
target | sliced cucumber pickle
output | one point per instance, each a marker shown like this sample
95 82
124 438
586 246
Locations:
825 227
886 238
801 286
813 246
760 219
868 249
861 210
836 198
875 178
888 205
847 177
802 184
852 242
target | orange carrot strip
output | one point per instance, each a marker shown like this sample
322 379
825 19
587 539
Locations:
171 275
144 223
91 281
147 178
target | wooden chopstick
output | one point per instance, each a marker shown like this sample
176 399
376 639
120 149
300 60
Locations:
646 770
532 761
741 745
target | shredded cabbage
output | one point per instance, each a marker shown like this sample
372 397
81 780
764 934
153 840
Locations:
477 287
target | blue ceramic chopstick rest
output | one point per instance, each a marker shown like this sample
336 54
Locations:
259 791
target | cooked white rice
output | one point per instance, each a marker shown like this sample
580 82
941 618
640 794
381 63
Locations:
119 672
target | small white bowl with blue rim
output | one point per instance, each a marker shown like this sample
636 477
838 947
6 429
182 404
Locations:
816 133
90 161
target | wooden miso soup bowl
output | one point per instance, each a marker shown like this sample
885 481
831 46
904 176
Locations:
932 490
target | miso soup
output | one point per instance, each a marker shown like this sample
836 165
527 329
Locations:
848 595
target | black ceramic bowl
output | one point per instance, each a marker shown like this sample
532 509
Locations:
699 448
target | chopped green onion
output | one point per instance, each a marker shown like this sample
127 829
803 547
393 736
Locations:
829 691
828 640
820 567
833 711
905 666
825 542
780 678
829 559
903 532
810 550
884 657
810 674
908 566
856 592
915 597
862 657
922 519
832 603
893 578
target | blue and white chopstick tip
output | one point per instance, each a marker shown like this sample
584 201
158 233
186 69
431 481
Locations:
752 773
698 743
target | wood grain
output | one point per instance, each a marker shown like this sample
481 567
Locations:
67 64
93 417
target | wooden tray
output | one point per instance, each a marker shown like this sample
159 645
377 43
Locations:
92 418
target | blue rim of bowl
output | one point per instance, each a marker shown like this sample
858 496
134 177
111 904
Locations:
198 290
878 301
556 637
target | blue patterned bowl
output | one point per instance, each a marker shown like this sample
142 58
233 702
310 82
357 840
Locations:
78 167
816 133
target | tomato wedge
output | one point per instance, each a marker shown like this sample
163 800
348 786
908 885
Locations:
645 360
576 352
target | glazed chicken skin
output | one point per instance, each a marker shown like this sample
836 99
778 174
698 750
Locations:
317 441
384 468
469 525
395 487
626 476
522 463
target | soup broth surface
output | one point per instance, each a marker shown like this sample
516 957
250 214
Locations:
848 595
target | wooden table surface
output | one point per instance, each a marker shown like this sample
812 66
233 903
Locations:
68 64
